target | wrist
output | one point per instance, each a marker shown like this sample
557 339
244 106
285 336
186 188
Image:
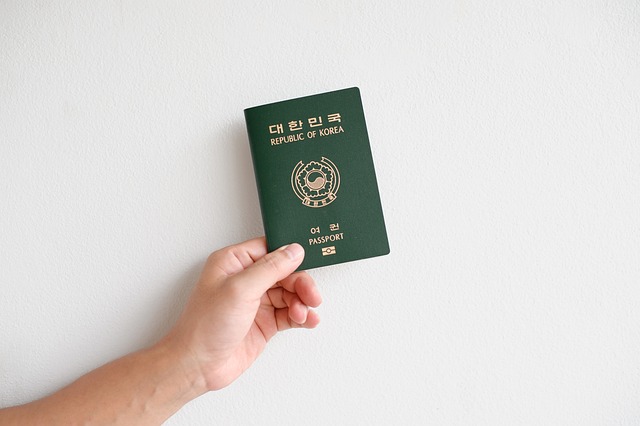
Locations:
185 371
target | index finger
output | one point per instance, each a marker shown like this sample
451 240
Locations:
302 284
236 258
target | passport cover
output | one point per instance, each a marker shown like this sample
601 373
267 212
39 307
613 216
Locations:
315 176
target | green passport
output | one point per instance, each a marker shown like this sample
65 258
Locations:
315 176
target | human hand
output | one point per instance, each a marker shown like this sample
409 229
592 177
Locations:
243 297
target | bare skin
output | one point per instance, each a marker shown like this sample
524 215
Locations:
243 297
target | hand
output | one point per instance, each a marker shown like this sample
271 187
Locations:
243 298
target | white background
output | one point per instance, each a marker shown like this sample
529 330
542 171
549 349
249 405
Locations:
506 138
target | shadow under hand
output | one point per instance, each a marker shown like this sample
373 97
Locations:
172 303
233 186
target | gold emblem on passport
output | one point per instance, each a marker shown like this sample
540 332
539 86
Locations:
316 182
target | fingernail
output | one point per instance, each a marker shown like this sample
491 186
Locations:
294 250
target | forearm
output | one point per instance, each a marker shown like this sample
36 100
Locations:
243 298
143 388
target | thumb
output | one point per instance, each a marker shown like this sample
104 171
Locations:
269 269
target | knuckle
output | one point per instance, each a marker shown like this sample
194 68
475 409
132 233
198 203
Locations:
215 256
234 289
287 297
270 262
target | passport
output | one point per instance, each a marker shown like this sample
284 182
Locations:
315 176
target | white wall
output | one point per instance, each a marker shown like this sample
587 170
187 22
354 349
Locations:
507 143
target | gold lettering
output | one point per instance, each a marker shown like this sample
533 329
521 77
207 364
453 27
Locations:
326 239
331 131
287 139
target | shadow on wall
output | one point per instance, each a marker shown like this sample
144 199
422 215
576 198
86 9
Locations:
232 187
171 303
